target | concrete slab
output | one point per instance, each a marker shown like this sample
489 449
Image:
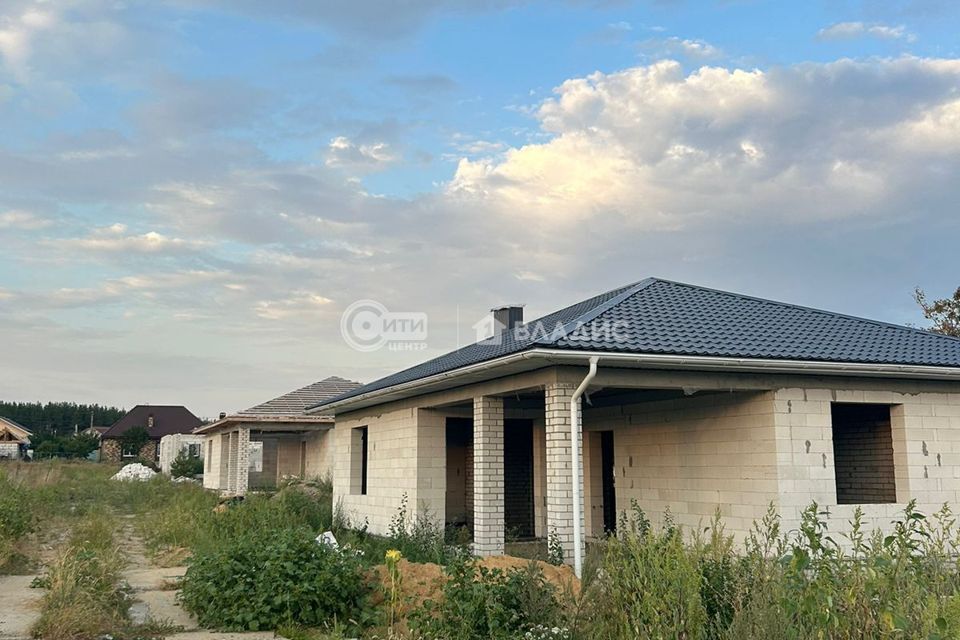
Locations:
152 578
19 606
222 635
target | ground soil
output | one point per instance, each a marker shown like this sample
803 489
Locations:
424 581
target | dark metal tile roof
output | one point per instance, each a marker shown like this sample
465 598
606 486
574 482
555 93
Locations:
666 317
296 402
663 317
167 419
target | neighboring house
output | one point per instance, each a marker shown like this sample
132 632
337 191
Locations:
97 432
14 440
257 447
173 445
158 420
702 401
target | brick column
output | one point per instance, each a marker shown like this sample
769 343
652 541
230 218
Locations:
242 478
559 471
488 528
232 442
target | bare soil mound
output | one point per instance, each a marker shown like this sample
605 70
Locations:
424 581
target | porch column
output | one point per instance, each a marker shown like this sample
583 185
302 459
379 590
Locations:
231 462
223 459
488 527
242 479
559 471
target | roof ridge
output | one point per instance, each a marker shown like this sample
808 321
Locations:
595 312
294 394
791 305
158 405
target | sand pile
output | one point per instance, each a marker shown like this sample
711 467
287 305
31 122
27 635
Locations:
424 581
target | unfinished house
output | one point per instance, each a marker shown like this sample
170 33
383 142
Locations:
257 447
674 396
14 440
188 444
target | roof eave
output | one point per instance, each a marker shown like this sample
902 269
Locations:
539 357
240 419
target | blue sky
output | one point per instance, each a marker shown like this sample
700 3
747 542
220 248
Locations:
192 191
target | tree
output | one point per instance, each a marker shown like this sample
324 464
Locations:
185 465
78 446
944 313
58 418
133 439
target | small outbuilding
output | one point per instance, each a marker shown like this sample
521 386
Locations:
14 440
171 446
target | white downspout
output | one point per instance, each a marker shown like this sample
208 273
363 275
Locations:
575 465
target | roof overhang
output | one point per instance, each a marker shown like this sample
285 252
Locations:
304 422
538 358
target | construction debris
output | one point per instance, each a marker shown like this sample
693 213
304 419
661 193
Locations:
135 472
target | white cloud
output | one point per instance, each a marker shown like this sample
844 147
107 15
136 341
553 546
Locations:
298 304
24 220
663 149
114 239
850 30
686 48
346 154
18 32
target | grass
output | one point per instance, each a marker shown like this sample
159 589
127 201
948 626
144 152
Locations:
665 583
84 596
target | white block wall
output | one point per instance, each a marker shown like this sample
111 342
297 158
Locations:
406 455
694 454
212 448
926 449
9 450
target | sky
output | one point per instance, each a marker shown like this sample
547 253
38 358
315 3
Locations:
192 192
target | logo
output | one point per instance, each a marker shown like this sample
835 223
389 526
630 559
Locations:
367 325
488 331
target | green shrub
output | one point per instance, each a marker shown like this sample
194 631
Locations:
650 588
80 445
186 466
308 502
262 579
419 537
478 602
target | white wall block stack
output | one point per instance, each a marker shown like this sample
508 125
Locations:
242 473
559 469
488 484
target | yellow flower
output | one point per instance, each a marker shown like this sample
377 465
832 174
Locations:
393 555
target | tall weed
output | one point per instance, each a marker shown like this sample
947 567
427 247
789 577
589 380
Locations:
84 597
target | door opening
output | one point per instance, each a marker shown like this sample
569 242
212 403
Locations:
609 484
518 478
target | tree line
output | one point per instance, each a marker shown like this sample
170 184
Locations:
58 418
